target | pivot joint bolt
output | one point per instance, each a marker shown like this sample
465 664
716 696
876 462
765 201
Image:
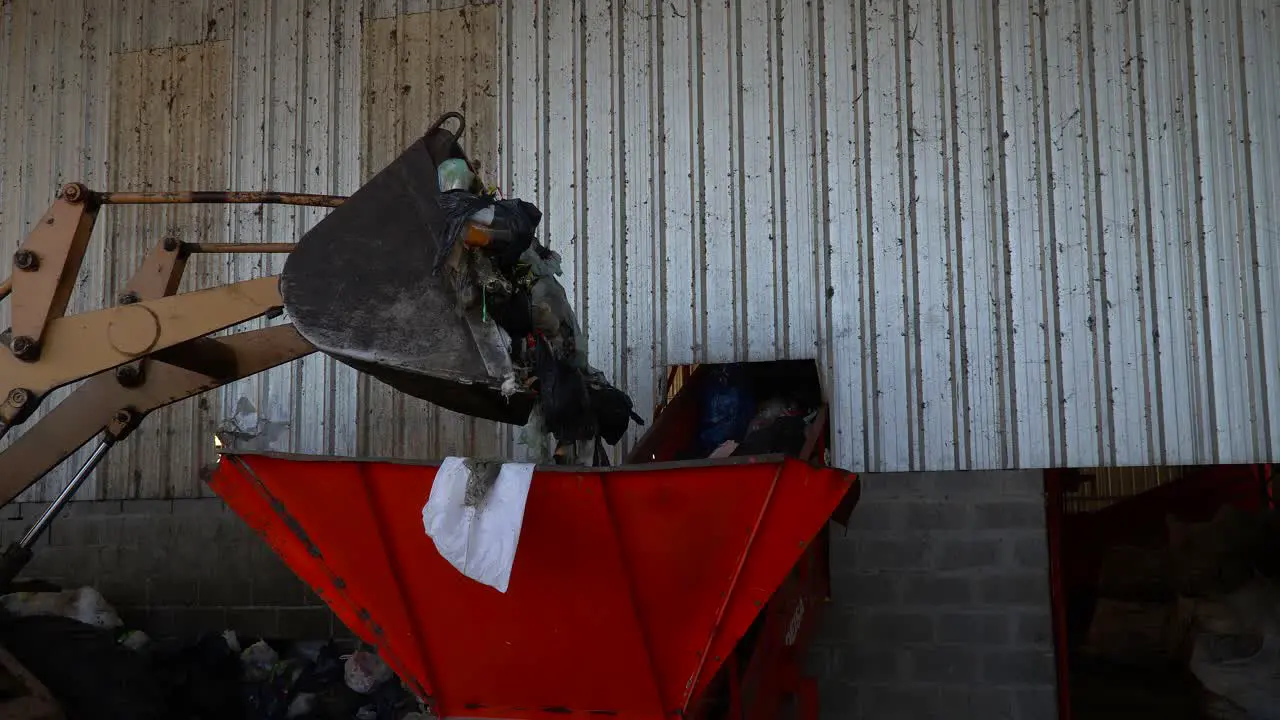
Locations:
25 348
171 244
26 261
74 192
128 298
18 397
128 375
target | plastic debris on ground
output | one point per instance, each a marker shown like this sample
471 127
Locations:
75 643
364 672
84 604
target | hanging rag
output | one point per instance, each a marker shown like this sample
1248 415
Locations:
478 536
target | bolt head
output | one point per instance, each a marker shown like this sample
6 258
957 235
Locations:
26 260
123 417
73 192
128 298
171 244
128 375
24 348
18 397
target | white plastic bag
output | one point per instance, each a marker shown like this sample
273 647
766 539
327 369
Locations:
84 604
479 541
1236 656
258 660
364 672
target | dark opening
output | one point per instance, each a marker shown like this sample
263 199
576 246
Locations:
738 409
1166 591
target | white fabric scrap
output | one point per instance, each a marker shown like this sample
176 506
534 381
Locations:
479 541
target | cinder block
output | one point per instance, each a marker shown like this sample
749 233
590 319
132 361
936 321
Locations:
867 665
226 589
252 623
979 703
163 590
865 589
1036 703
1018 667
818 662
83 508
959 485
199 506
891 628
944 664
1021 588
1023 483
1032 551
876 516
935 516
11 531
974 628
895 486
1034 628
898 701
146 507
1010 515
838 700
82 531
143 531
936 591
123 592
278 591
908 551
32 510
114 532
203 529
305 624
192 622
957 554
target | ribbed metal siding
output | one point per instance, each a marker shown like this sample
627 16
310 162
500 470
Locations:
1013 233
1021 233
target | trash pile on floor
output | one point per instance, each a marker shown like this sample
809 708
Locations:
77 646
1205 603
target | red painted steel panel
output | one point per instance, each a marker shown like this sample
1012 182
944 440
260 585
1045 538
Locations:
630 587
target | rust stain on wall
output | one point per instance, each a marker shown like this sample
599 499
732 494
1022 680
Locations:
169 131
417 67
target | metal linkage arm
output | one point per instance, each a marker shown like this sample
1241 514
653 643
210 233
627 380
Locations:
91 407
150 351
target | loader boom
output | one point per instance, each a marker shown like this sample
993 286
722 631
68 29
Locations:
148 351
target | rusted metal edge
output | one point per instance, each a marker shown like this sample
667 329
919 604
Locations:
718 623
265 197
771 459
209 248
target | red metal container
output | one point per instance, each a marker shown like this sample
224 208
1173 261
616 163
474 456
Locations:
631 586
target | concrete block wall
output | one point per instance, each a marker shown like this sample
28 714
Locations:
941 601
174 567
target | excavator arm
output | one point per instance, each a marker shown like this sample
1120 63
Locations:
149 351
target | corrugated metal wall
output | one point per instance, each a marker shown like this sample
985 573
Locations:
1014 233
1022 233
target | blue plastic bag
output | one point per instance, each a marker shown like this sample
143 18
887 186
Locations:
727 408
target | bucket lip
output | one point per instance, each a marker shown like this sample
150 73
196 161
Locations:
771 459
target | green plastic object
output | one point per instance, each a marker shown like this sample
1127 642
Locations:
454 174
